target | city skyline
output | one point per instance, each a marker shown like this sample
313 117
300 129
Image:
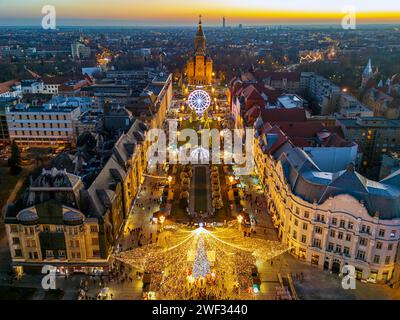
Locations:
179 13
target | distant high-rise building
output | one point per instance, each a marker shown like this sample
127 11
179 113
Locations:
223 22
240 26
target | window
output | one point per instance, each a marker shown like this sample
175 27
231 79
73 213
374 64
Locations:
381 233
340 235
93 229
29 230
338 248
390 246
15 241
305 226
13 229
96 253
306 214
330 246
46 228
348 237
317 243
360 255
379 245
49 254
363 241
296 222
61 254
303 238
387 260
18 253
318 230
376 258
59 228
346 251
393 233
297 211
350 225
342 223
95 241
332 233
76 243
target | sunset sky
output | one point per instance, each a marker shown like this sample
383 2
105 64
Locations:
184 12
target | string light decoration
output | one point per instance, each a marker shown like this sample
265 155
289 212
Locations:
199 101
180 268
201 266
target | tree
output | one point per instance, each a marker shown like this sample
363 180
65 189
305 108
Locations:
15 159
201 266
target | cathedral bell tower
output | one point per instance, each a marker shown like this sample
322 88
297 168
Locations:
199 67
199 39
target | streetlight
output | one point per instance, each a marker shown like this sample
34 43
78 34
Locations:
231 181
169 179
162 220
240 220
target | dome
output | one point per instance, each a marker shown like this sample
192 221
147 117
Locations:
200 154
73 217
28 217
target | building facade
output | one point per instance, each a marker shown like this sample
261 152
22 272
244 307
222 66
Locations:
45 126
199 68
375 135
330 219
62 221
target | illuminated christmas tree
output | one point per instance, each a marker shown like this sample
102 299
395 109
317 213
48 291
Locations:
201 266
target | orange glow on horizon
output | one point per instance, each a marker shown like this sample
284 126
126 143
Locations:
183 12
184 15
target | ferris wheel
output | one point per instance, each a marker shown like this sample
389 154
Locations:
199 101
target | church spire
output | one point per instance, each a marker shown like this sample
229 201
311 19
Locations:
200 39
368 69
200 28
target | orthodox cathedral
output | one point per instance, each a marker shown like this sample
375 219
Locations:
199 67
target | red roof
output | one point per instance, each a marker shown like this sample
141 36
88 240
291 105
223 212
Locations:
55 80
6 86
278 115
301 129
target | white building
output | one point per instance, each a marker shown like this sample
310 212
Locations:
11 89
329 218
290 101
44 126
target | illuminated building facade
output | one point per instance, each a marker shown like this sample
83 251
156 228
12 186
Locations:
329 218
199 68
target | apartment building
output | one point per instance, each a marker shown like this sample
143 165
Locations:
41 126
